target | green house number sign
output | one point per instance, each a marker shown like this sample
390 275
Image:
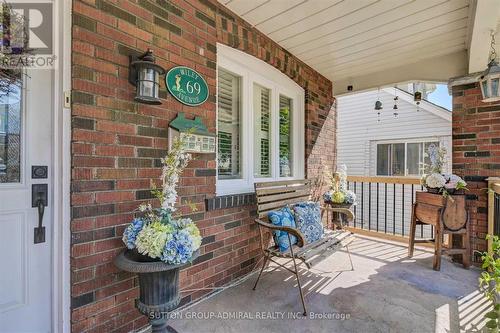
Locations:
186 85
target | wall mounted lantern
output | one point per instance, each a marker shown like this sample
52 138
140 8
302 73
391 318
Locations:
145 75
489 81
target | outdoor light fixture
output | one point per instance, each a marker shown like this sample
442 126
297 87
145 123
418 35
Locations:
145 75
489 81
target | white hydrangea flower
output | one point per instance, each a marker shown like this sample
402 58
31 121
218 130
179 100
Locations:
435 180
151 241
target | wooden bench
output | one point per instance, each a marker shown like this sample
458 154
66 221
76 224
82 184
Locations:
278 194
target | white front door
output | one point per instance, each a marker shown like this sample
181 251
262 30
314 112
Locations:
26 129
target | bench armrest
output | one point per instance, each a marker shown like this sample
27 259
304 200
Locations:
293 231
346 211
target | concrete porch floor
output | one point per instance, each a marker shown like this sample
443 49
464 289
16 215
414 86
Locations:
386 292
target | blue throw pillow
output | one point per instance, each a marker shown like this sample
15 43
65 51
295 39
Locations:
282 217
308 219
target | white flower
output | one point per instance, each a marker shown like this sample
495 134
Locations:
435 180
145 207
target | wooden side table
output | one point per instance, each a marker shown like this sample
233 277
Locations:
448 216
337 214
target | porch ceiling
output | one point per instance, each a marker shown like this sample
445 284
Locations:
370 43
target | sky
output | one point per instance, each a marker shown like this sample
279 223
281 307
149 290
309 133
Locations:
440 96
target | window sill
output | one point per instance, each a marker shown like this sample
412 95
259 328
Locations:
230 201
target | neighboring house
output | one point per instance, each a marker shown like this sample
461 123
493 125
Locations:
386 145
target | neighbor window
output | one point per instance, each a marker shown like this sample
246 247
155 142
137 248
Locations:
260 125
403 158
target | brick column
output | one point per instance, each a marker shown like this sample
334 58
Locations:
476 153
117 143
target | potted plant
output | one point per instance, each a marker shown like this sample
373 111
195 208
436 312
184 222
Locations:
338 195
435 181
159 244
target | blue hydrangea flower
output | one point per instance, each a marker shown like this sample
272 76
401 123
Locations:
327 196
178 248
131 232
350 197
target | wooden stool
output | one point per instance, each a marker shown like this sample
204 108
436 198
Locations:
448 216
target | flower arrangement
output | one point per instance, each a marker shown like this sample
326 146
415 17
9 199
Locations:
157 234
434 179
338 193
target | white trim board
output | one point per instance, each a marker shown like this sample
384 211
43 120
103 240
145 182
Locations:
61 286
429 107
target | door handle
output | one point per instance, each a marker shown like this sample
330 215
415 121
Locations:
40 230
39 199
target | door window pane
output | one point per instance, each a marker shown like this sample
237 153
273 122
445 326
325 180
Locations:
10 131
285 143
413 161
398 159
262 131
383 159
229 115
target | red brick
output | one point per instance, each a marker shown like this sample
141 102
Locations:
115 196
114 151
92 136
115 127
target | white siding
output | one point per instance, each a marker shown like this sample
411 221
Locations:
358 129
358 133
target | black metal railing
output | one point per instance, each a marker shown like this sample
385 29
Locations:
384 205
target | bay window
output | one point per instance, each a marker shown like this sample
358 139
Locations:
260 123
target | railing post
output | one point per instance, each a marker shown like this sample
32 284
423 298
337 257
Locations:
493 188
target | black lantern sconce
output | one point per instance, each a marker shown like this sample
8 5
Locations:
145 75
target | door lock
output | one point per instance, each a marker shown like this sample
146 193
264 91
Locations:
39 199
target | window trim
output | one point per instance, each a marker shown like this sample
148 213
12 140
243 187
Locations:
253 70
405 142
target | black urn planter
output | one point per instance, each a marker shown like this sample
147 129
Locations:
158 286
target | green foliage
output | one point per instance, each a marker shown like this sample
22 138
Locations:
489 282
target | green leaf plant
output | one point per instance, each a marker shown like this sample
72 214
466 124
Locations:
489 282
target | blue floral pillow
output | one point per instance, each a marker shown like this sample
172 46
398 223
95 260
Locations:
308 219
282 217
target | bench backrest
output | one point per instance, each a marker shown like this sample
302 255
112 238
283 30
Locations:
275 195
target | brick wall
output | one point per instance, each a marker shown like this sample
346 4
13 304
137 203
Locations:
476 153
117 143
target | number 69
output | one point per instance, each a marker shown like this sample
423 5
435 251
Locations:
190 87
